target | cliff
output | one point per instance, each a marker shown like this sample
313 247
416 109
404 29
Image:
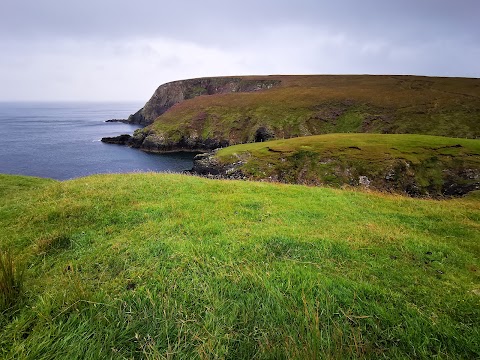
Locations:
169 94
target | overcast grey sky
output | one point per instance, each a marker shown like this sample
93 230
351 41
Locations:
123 50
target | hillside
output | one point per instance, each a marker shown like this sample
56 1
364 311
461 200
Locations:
417 165
175 266
203 114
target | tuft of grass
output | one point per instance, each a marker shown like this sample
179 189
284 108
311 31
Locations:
53 242
11 281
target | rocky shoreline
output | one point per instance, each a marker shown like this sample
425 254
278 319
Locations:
150 141
156 144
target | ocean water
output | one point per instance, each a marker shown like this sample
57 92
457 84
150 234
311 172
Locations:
62 141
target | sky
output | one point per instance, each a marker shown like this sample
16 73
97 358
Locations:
116 50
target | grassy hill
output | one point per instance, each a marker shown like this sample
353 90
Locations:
174 266
413 164
316 104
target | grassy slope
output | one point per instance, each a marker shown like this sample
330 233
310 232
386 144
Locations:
308 105
171 266
323 159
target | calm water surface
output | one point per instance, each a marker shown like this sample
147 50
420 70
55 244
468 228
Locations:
62 141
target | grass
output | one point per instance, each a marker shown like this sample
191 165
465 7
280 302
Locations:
312 105
11 281
174 266
417 164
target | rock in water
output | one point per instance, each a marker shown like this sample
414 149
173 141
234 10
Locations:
123 139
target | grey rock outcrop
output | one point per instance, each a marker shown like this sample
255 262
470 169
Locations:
157 143
207 165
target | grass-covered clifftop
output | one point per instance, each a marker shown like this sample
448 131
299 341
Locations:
174 266
413 164
315 104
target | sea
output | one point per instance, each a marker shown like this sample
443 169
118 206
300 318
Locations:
62 141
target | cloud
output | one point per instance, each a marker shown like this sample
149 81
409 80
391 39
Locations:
226 22
122 50
86 70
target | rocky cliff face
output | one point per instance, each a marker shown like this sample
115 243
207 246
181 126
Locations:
401 176
175 92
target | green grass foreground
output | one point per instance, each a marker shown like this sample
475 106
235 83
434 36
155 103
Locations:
179 267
